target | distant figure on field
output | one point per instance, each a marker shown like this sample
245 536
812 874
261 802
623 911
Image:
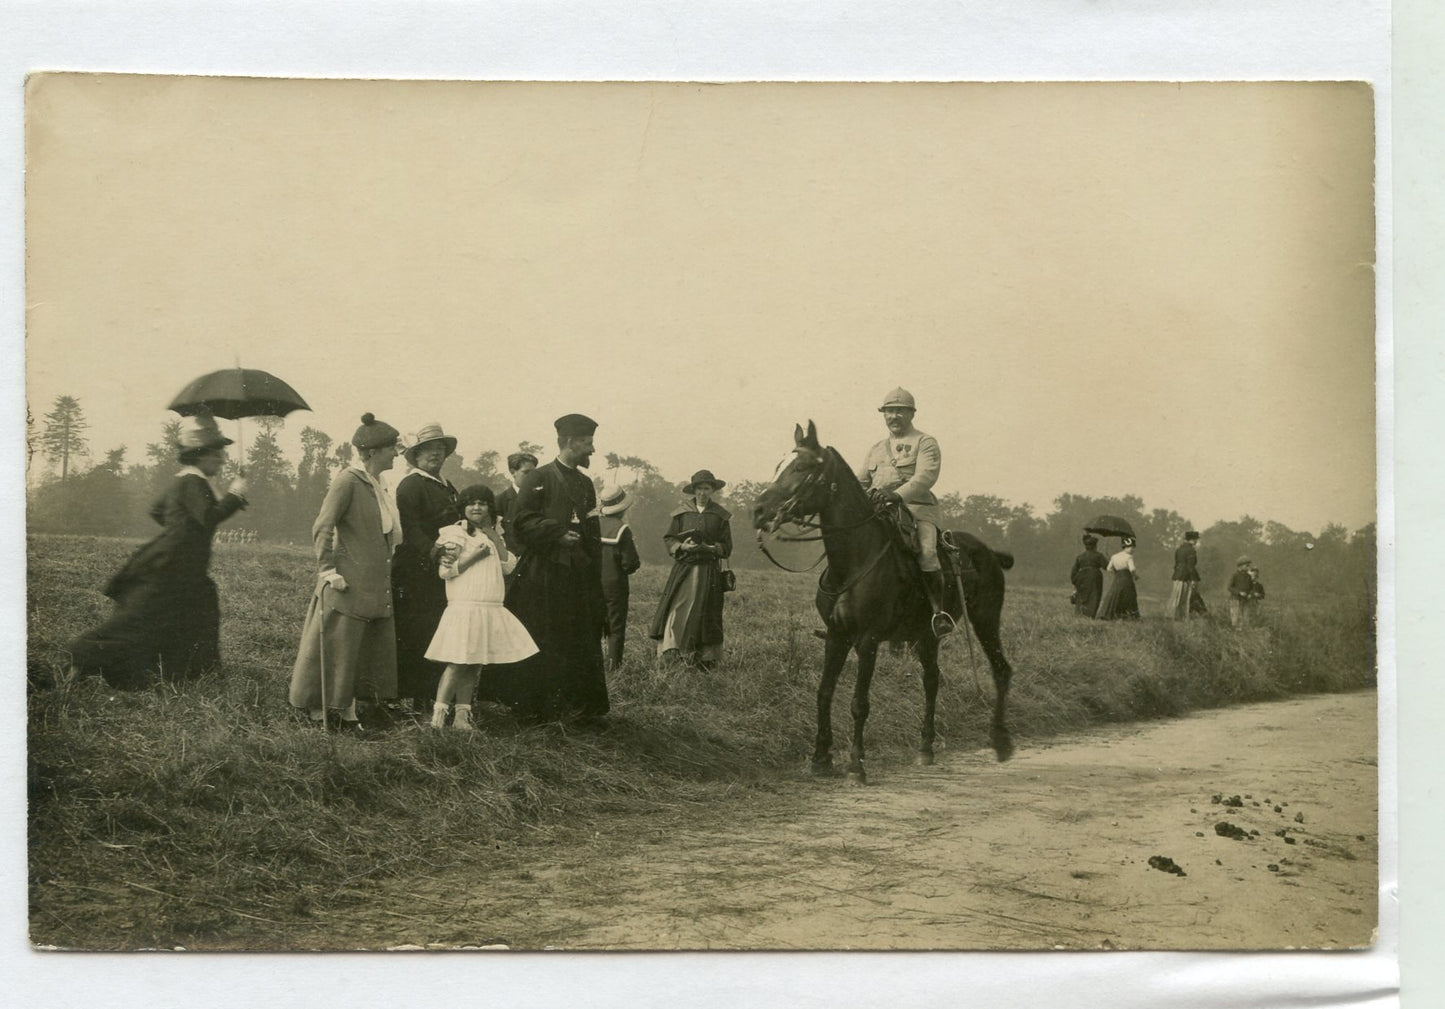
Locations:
902 469
427 502
688 622
348 642
167 618
1256 590
557 591
476 630
1087 577
1186 578
1121 598
619 561
518 464
1241 586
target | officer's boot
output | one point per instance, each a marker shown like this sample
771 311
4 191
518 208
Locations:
942 623
614 651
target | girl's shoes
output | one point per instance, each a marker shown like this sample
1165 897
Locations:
439 714
463 717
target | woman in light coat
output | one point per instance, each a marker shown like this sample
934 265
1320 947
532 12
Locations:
348 643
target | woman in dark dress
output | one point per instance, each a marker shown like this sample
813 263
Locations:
1087 577
1121 598
427 502
167 619
688 622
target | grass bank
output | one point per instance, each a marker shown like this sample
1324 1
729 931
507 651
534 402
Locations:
183 816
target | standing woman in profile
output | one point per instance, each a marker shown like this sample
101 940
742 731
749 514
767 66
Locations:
167 619
1121 599
349 637
1087 577
688 623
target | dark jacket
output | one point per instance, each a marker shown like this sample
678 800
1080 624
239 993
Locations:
506 510
189 513
1240 585
619 552
552 500
1186 563
425 505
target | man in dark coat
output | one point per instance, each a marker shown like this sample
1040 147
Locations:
557 593
1186 578
1087 577
426 502
518 465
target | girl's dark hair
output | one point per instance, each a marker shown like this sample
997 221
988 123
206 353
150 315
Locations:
479 492
1090 540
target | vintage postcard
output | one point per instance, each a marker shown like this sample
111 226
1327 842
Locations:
428 487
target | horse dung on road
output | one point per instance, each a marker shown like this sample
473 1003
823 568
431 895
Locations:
872 592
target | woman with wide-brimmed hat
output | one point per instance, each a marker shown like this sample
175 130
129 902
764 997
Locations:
167 619
348 643
689 617
619 561
427 503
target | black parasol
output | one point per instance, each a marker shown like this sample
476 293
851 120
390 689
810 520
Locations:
1109 525
238 392
234 393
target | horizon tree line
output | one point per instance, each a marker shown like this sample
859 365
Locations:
112 498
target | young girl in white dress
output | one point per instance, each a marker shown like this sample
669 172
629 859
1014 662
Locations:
476 629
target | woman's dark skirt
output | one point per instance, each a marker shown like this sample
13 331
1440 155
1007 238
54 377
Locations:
160 630
1121 598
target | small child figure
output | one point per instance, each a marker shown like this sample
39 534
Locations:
475 629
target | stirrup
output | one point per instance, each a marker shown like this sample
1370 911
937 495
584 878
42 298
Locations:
943 624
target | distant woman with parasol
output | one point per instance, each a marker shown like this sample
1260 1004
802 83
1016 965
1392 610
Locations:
1121 597
167 619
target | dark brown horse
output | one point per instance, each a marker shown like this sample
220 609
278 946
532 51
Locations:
872 592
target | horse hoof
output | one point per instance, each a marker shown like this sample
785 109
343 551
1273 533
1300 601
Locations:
857 778
1003 747
923 759
822 768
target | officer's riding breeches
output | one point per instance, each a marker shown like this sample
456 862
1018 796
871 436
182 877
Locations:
928 546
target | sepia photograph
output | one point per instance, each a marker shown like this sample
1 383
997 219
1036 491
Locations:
700 516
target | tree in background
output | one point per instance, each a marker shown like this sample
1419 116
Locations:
64 434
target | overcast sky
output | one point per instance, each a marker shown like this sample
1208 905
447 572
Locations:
1157 289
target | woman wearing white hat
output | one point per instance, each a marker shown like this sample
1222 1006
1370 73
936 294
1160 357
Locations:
167 619
619 560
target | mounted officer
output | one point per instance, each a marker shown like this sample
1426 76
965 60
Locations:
902 469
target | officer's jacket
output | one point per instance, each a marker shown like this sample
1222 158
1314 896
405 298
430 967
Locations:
908 464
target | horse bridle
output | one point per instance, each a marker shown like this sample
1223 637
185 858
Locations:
791 502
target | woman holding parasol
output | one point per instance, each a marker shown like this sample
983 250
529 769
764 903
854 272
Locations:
167 619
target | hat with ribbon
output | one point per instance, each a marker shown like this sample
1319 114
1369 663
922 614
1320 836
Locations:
899 399
704 476
574 425
427 434
615 502
200 431
374 433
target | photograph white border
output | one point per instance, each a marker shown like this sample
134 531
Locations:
722 41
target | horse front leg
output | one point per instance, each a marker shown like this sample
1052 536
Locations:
835 655
928 656
867 656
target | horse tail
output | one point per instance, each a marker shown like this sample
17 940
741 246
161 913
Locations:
1005 559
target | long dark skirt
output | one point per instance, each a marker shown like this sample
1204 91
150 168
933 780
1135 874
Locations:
1088 590
1121 598
562 608
419 598
160 630
689 615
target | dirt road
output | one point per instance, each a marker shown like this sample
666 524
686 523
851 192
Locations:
1050 850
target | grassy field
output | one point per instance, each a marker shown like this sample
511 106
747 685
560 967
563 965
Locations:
184 816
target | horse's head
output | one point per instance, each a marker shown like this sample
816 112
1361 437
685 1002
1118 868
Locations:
800 487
